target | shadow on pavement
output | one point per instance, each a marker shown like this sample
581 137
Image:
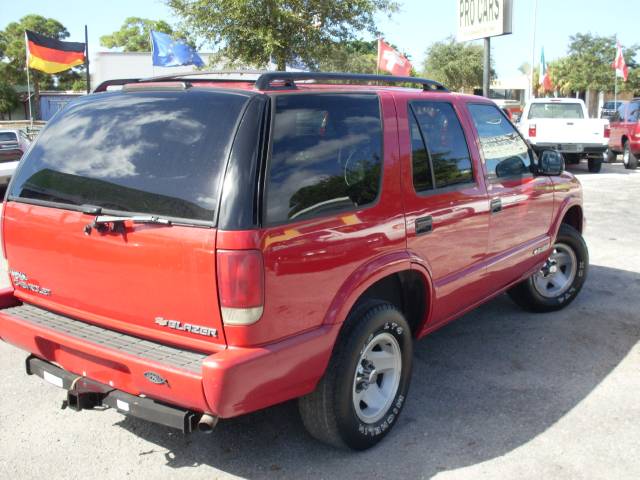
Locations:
582 167
482 386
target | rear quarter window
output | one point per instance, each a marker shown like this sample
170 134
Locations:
326 155
155 152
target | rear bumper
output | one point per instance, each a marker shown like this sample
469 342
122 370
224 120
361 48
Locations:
584 148
83 393
227 383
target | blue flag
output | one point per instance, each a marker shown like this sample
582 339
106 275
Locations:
167 52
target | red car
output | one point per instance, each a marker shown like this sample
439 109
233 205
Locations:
199 249
625 134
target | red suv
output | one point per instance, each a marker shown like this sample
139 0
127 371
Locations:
187 249
625 134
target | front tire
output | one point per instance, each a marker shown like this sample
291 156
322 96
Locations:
364 388
595 165
560 279
611 156
628 158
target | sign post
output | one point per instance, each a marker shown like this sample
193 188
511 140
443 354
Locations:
484 19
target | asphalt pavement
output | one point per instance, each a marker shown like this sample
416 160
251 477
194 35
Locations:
500 393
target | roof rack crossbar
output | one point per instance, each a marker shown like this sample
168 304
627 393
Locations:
289 78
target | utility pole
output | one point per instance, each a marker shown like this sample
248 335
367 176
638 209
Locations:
86 58
533 47
487 67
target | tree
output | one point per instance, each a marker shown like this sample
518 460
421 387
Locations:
12 51
134 34
525 68
9 100
254 31
457 65
355 56
588 65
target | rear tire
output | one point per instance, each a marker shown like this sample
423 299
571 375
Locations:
595 165
611 156
629 159
560 280
363 390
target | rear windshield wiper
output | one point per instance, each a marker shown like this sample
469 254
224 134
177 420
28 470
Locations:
114 223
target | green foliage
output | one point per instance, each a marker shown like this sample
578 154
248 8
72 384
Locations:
252 31
134 35
588 66
9 100
355 56
72 80
458 65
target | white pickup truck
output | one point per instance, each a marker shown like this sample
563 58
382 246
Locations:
563 124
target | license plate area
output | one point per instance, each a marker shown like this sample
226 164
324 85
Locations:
572 148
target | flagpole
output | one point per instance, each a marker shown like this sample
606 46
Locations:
533 47
86 58
26 48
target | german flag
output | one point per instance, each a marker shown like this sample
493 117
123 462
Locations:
52 56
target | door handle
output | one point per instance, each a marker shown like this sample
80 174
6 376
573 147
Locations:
424 225
495 205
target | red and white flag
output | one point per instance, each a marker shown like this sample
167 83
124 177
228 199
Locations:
391 61
619 64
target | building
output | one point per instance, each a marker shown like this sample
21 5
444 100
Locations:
113 65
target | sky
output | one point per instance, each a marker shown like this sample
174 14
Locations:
418 24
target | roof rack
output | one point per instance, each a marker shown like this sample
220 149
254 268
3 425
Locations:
265 79
289 79
173 77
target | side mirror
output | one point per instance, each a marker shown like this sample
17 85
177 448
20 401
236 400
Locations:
551 163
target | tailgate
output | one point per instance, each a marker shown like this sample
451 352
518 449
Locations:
570 131
149 280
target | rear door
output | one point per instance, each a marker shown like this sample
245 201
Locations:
146 153
446 204
521 203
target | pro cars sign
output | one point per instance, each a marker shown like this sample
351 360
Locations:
483 18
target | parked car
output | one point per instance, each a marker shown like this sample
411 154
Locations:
201 249
563 124
625 134
13 143
609 109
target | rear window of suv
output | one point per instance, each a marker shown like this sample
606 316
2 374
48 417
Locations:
8 137
154 152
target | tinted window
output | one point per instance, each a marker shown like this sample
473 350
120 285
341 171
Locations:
505 152
634 112
148 152
8 137
556 110
422 179
326 155
445 142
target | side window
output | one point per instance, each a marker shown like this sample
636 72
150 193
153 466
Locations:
633 112
422 178
326 155
620 112
505 153
446 144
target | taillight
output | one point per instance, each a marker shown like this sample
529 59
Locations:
240 286
532 130
607 131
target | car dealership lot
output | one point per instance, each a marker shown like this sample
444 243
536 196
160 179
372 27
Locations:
499 393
